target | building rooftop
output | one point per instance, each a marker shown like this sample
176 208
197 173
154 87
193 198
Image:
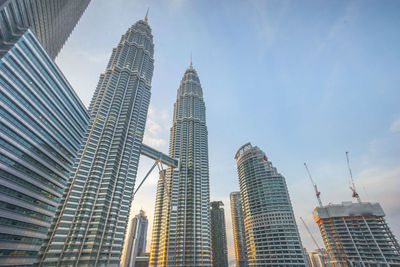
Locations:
348 209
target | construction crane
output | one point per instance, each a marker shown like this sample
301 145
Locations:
315 241
317 193
352 187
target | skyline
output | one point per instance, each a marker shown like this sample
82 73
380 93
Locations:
299 133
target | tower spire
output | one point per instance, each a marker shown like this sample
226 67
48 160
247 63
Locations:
147 14
191 65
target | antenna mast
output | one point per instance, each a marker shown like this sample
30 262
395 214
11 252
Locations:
352 187
317 193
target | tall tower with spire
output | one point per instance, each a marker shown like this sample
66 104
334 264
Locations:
181 228
91 219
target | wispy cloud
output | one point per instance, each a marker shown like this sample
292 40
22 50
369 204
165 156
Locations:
157 130
395 126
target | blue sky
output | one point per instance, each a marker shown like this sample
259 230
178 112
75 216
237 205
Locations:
303 80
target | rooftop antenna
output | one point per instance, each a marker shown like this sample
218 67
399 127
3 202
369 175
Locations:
317 193
147 14
191 59
352 187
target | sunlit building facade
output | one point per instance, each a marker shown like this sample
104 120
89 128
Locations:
320 258
239 235
52 21
271 232
218 235
91 220
181 228
42 126
356 234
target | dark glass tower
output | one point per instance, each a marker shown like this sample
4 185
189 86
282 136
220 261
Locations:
91 220
271 232
239 235
181 229
218 235
52 21
42 125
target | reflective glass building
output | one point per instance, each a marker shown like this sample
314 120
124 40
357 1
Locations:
91 220
52 21
271 232
218 235
181 228
239 235
137 239
42 126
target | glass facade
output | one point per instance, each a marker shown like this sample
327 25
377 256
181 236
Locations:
218 235
42 126
239 235
181 228
272 236
52 21
91 220
137 239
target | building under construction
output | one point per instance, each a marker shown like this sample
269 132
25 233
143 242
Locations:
356 234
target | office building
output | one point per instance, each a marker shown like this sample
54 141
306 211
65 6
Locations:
43 123
239 235
52 21
356 234
271 232
218 235
181 228
90 223
137 239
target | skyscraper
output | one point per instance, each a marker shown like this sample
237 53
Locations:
356 234
239 235
218 235
52 21
42 125
91 220
271 232
181 229
137 239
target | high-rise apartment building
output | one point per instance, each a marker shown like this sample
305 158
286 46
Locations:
218 235
43 123
271 232
52 21
137 239
91 220
181 229
239 235
356 234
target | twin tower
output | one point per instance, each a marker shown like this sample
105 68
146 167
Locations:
90 222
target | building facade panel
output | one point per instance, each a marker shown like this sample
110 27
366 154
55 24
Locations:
43 123
52 21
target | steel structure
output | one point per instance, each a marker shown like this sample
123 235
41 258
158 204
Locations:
356 234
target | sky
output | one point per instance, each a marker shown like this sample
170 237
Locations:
305 81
